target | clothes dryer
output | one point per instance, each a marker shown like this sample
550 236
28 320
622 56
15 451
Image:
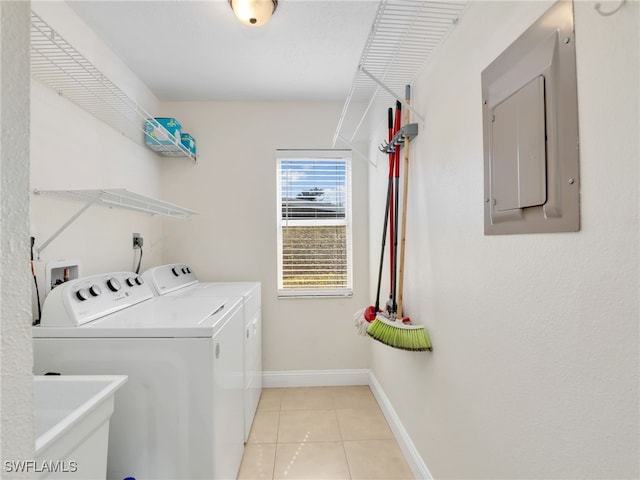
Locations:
179 279
180 415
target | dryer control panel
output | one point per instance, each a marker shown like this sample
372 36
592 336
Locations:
82 300
169 278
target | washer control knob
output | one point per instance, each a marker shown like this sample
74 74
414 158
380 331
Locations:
95 290
188 270
82 294
131 281
113 284
185 270
139 281
176 271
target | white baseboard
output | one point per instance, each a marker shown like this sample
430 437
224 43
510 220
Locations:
315 378
417 465
329 378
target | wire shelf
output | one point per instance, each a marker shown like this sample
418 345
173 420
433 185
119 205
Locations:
122 198
403 37
116 197
59 65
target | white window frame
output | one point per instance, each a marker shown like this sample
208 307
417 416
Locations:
334 154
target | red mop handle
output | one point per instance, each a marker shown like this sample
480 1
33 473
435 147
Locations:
394 210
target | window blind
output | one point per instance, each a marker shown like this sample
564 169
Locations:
314 223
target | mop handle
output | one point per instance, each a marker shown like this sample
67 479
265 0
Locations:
394 211
405 188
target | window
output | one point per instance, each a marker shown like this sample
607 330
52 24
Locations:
314 223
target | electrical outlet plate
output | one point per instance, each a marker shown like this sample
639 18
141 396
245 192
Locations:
137 240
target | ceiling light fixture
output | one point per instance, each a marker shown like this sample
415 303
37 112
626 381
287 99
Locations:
254 12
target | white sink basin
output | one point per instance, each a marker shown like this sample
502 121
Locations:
72 415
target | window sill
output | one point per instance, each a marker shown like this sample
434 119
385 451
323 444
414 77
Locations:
315 294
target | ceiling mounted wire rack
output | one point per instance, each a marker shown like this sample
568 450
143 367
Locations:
404 35
59 65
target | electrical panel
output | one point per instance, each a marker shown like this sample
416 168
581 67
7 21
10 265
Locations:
530 131
518 149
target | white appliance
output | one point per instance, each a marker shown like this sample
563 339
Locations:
180 415
179 280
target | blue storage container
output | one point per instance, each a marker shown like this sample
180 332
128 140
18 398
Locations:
157 137
189 142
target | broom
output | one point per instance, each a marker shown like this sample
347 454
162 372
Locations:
398 332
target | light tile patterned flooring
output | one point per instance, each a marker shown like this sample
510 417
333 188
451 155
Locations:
321 433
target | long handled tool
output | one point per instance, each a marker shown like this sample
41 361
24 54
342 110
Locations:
362 318
371 312
393 216
403 235
398 332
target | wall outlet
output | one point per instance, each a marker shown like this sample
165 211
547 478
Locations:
137 241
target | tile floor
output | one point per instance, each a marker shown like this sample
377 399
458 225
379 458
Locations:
321 433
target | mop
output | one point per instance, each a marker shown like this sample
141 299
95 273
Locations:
396 330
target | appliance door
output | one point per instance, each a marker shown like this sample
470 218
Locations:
228 398
252 369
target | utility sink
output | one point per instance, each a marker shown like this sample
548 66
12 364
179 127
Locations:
72 414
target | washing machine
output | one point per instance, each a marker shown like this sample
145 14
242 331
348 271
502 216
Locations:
180 415
178 279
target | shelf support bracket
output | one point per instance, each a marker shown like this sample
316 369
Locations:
167 232
354 149
66 224
390 92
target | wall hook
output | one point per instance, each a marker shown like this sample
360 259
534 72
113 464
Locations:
386 147
598 8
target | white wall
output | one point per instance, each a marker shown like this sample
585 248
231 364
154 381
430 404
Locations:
233 185
17 437
72 149
534 372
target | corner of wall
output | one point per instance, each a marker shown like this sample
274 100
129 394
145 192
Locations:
17 438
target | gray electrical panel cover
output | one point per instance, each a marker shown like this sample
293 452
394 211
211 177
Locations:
530 129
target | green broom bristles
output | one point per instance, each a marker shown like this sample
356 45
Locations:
398 335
